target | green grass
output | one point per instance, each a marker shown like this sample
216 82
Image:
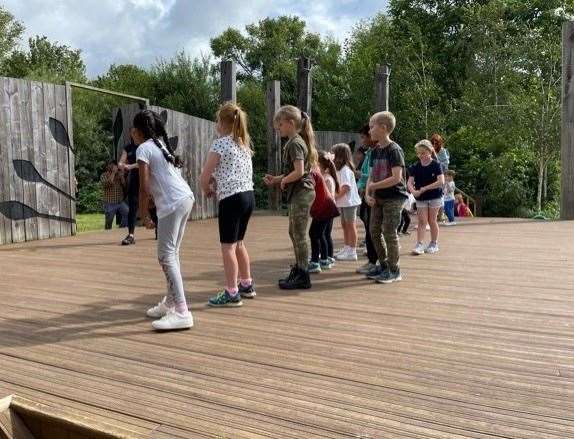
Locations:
86 222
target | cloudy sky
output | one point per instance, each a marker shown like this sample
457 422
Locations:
141 31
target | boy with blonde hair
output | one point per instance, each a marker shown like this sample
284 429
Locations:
386 192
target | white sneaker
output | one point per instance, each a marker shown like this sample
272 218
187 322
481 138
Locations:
449 224
432 248
342 251
158 311
350 255
173 320
419 249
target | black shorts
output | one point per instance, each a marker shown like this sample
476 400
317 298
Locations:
233 216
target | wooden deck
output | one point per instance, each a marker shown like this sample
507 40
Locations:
476 342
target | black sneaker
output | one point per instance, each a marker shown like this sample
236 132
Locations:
247 292
374 272
129 240
389 276
294 269
299 281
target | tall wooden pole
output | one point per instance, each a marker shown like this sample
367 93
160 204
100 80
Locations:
228 82
273 141
567 132
382 74
304 85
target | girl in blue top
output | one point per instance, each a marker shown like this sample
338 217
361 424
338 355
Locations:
425 183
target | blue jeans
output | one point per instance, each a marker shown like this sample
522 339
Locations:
449 210
110 210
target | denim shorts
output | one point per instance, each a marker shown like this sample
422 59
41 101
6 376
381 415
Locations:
433 204
348 214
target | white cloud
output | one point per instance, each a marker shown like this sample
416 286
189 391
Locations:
141 31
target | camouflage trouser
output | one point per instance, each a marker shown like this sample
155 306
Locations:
299 208
385 219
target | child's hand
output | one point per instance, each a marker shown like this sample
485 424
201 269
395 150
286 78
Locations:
370 200
268 180
148 223
416 193
282 184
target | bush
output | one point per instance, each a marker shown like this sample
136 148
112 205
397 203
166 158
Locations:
90 198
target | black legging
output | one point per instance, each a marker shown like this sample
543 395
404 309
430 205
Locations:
405 221
318 238
328 239
365 215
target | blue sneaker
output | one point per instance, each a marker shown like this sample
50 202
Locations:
332 260
225 299
314 267
325 264
389 276
247 292
374 272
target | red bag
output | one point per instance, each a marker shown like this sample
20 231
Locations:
324 207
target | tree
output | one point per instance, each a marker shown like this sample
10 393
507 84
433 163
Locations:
10 33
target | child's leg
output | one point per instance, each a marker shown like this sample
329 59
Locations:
391 220
324 246
345 233
230 266
299 208
376 229
449 209
328 231
170 235
433 223
244 264
352 232
315 237
422 213
371 252
406 220
109 214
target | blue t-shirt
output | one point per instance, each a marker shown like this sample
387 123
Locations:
425 175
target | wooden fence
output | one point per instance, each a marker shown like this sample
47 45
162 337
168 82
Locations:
37 185
192 137
326 139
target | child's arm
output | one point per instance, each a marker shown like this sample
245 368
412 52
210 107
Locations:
343 190
393 180
296 174
437 184
411 185
144 195
211 163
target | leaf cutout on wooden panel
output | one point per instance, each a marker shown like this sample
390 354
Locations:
28 172
17 211
59 132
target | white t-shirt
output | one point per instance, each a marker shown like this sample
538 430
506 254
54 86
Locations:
448 191
234 174
330 182
166 184
347 178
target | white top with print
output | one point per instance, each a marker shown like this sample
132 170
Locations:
234 174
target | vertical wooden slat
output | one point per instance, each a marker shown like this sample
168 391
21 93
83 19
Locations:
228 81
567 132
5 165
39 145
17 186
382 73
273 141
63 179
71 157
304 85
27 153
51 158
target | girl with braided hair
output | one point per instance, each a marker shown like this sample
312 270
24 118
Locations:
174 200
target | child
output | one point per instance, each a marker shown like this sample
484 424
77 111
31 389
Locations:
347 199
323 211
329 173
113 184
299 157
425 183
448 193
385 193
229 161
442 154
365 210
174 200
462 209
406 216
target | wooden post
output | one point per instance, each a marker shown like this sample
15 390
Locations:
273 141
567 132
382 74
304 85
228 81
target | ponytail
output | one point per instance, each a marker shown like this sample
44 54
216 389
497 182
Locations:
308 136
325 160
150 124
232 116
